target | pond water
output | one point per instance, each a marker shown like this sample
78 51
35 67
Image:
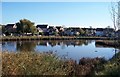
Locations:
74 49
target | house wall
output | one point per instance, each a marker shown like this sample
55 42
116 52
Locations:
99 33
119 33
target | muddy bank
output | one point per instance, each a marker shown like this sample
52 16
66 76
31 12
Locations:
25 38
112 43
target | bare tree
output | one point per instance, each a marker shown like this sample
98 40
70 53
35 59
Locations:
114 14
115 10
118 25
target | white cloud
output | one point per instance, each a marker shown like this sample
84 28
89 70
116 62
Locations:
60 0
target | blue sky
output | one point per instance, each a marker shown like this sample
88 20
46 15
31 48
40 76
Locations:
60 0
78 14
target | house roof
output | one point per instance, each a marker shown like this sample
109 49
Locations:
118 31
9 25
42 26
74 27
58 27
84 29
99 29
110 29
51 26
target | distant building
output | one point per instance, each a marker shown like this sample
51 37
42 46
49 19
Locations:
42 28
11 28
109 32
118 33
99 32
53 30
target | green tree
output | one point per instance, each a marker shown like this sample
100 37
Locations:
86 32
81 31
0 29
3 28
19 28
26 26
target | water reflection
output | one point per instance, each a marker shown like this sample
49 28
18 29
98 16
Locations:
30 45
67 43
75 49
25 46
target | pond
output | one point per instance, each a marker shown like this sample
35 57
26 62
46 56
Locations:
74 49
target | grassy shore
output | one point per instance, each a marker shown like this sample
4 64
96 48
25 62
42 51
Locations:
17 38
112 67
32 63
111 43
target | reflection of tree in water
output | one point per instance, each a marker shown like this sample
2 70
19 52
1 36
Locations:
52 43
80 42
86 42
26 46
62 45
3 44
30 45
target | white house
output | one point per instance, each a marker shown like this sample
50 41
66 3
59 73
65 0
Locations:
42 28
99 32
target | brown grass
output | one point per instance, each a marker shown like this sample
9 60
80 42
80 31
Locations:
31 63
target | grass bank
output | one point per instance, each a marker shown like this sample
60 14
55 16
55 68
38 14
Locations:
31 63
21 38
112 67
111 43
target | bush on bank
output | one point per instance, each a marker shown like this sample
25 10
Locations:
32 63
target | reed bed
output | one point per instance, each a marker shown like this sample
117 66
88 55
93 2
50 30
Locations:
48 63
21 38
32 63
111 43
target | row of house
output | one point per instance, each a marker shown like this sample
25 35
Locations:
45 29
75 30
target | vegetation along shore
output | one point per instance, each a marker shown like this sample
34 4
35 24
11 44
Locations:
32 63
22 38
111 43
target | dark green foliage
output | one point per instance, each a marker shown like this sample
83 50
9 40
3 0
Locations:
26 26
19 28
3 29
32 63
82 32
112 67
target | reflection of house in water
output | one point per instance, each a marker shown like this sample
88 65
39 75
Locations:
52 43
43 43
64 43
12 44
59 43
75 43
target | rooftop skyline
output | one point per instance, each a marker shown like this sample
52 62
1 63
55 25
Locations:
70 14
